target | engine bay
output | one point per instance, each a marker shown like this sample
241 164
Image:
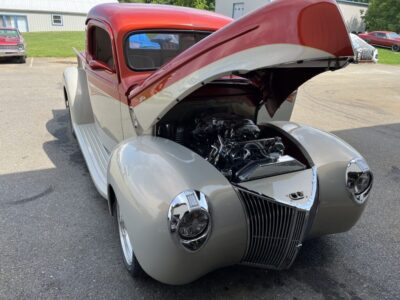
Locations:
219 122
235 145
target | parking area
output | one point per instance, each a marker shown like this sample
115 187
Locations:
57 239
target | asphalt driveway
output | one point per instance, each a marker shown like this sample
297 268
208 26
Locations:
57 239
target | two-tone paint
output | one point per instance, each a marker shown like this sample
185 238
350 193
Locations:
113 114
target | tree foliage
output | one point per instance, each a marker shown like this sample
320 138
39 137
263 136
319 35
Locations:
201 4
383 15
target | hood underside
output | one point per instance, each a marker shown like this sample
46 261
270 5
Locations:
278 48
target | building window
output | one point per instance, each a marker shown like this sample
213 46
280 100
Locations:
56 20
364 2
238 10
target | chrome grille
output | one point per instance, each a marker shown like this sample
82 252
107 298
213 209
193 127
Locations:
275 231
367 55
9 47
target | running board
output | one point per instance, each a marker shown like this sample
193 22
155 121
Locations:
96 156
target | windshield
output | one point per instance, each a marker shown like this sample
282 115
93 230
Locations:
151 50
393 35
8 33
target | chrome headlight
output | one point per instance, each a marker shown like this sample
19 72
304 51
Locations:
21 46
359 179
189 220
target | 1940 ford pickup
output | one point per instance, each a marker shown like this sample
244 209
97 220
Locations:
182 116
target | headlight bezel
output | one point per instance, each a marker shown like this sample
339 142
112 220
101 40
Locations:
357 168
188 203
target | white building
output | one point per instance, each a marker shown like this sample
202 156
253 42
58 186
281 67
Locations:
351 10
46 15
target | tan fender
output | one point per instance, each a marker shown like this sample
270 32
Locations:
336 211
146 174
76 88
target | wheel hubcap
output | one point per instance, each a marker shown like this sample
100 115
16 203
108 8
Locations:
124 238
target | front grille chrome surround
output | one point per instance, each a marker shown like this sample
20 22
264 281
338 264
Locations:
8 47
276 230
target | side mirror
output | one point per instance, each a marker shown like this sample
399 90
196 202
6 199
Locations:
98 65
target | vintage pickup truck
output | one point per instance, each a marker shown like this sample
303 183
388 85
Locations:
182 116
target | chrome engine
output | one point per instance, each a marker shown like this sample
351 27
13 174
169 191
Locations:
234 146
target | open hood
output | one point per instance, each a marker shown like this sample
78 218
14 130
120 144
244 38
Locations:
279 46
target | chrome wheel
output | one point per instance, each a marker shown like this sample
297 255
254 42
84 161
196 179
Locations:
126 244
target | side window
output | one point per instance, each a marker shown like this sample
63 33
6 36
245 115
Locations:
381 35
101 49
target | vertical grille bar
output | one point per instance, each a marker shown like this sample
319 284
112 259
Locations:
275 231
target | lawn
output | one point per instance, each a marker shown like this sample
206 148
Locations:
54 44
60 44
388 57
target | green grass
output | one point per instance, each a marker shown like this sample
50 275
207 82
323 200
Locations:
388 57
54 44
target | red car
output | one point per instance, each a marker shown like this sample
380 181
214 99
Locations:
385 39
12 44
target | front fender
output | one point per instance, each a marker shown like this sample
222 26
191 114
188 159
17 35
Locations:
146 173
336 211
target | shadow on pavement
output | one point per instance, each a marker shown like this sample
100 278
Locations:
66 244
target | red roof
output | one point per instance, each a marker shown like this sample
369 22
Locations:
126 17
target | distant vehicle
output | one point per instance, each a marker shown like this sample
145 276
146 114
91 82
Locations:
385 39
12 44
363 52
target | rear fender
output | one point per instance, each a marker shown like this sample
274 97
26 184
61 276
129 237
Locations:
146 174
76 90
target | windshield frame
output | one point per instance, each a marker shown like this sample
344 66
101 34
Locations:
159 31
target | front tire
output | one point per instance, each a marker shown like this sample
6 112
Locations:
71 127
396 48
128 255
22 59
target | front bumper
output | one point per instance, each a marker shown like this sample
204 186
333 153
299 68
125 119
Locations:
12 52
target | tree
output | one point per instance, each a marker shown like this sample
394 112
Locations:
201 4
383 15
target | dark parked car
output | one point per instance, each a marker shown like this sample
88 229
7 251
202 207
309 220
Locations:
12 44
385 39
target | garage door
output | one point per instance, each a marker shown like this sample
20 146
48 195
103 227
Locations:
22 23
19 22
